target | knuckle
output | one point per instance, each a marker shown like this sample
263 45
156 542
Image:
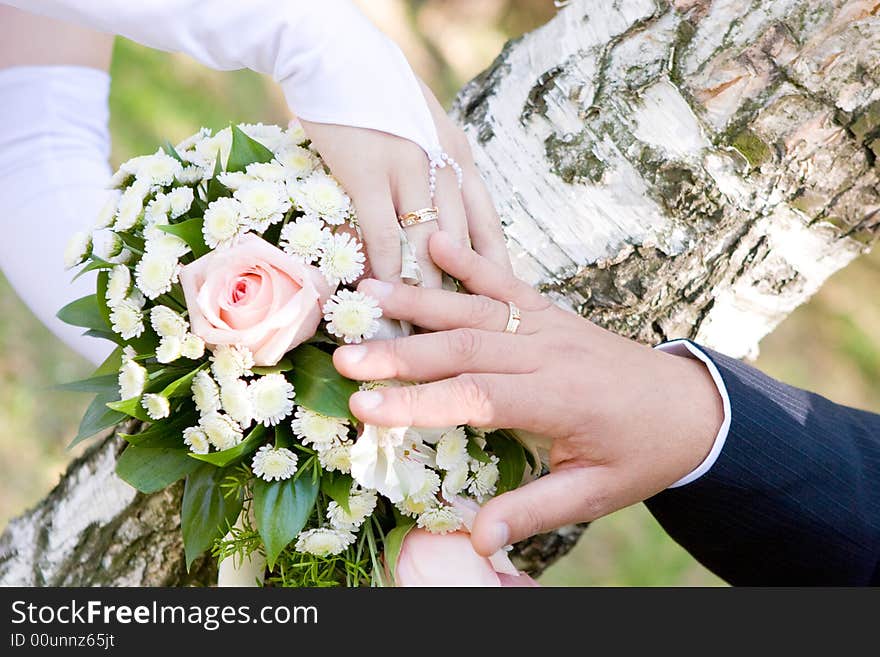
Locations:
595 504
532 520
472 393
464 344
482 309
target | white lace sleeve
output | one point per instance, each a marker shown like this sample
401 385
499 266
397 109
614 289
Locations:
54 146
334 65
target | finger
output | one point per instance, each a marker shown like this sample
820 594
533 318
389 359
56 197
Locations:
484 225
447 198
561 498
434 356
442 310
481 400
378 223
411 193
481 276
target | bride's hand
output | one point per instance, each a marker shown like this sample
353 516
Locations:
387 176
626 421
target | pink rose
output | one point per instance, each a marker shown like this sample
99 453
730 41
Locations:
428 559
254 295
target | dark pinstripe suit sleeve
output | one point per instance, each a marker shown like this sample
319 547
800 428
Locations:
794 497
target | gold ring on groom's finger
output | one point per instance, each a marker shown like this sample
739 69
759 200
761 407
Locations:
513 318
418 217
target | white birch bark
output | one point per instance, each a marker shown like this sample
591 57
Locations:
692 168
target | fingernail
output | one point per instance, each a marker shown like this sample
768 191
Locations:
353 355
499 533
376 289
369 399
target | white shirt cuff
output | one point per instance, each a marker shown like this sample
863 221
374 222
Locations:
688 350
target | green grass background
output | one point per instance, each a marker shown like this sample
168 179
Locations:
829 345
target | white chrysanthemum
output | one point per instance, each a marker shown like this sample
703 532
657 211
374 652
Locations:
342 260
484 478
161 244
155 274
170 349
304 238
190 142
298 162
271 136
360 506
166 322
78 249
193 347
267 171
222 222
423 497
274 463
452 449
320 196
128 353
132 379
440 520
206 393
190 175
235 179
222 431
352 316
118 285
180 199
157 406
205 151
336 457
107 214
119 179
295 135
197 440
324 542
158 169
236 401
272 398
127 319
231 362
319 430
157 210
262 204
107 245
455 481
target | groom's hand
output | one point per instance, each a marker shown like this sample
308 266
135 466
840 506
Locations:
626 421
387 176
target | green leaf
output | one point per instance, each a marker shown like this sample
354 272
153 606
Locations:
133 242
94 263
283 365
206 513
168 148
190 231
216 189
101 296
319 387
511 461
106 383
97 418
337 487
131 407
181 386
393 543
245 151
84 312
281 509
476 452
153 465
235 454
111 364
104 335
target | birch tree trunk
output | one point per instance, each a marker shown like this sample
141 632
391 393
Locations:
692 168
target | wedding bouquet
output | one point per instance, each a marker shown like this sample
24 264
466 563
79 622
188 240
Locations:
226 271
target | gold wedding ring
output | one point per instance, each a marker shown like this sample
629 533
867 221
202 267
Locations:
417 217
513 318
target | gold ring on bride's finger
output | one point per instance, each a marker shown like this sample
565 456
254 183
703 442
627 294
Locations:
513 318
418 217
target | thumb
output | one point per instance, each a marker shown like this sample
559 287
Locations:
559 498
